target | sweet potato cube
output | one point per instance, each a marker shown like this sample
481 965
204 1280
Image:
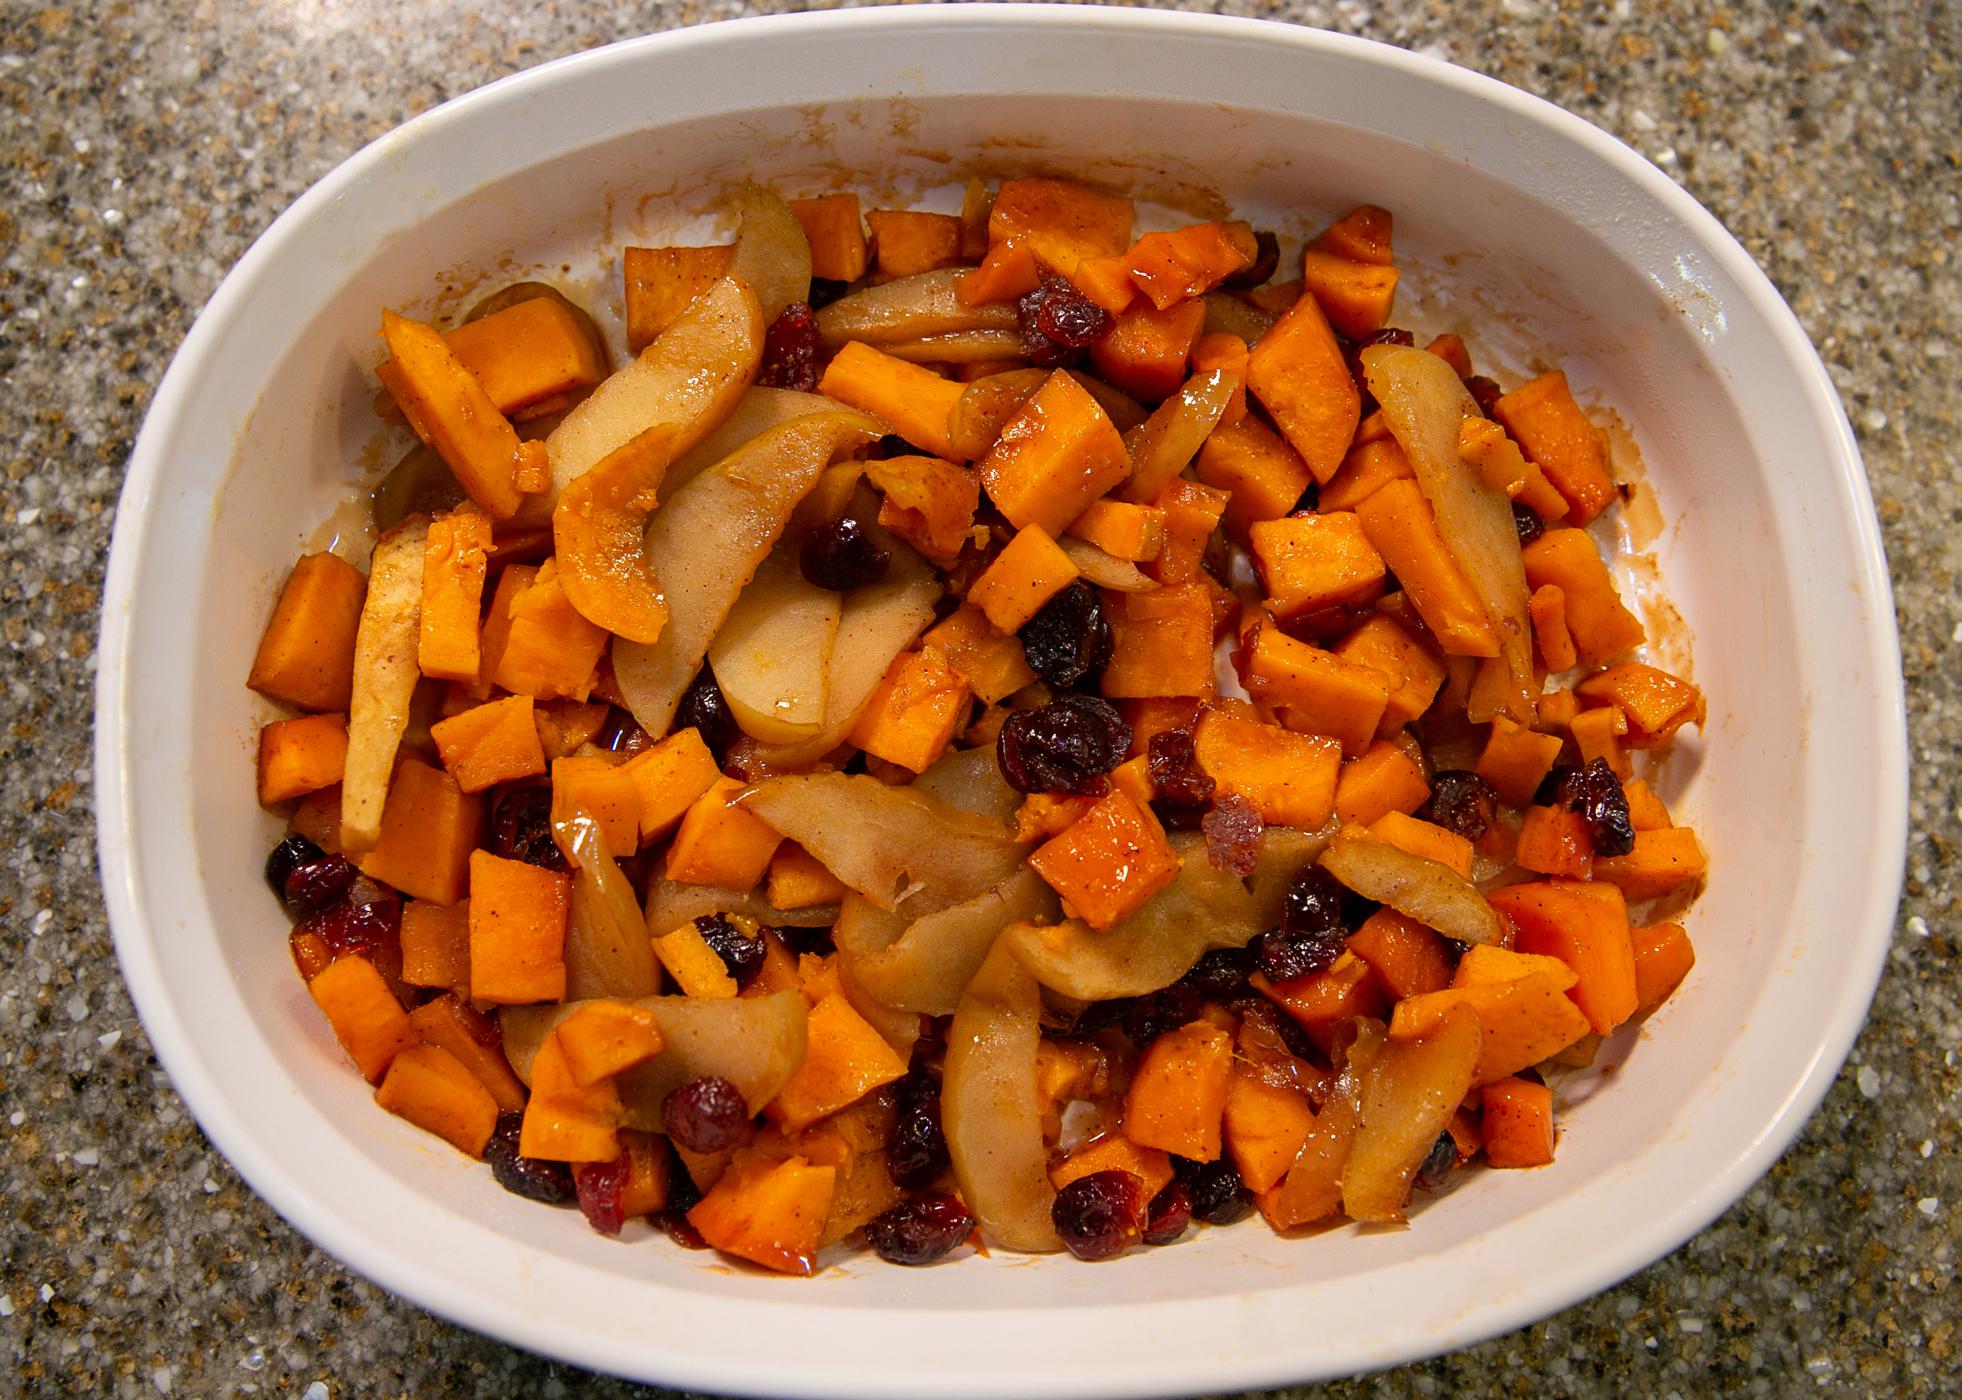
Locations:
1262 475
1516 760
1114 1152
1289 778
914 712
721 844
436 945
1663 958
566 1121
1409 958
646 1187
1597 733
1656 703
1518 1123
1161 643
605 1037
1425 839
1060 221
1046 814
1548 610
1646 811
1661 861
844 1060
917 403
1559 439
1122 529
604 791
1106 283
527 356
1523 1021
1361 235
490 744
1399 523
1366 467
1554 841
1496 458
991 660
1487 964
431 1089
1600 626
928 502
1178 1094
1382 642
837 237
670 777
299 756
1148 353
1187 262
367 1019
1264 1127
1299 375
551 652
1383 778
306 655
1028 572
454 557
455 418
1313 562
518 916
474 1041
429 828
768 1212
1056 455
1355 296
1323 1000
1108 862
908 241
1192 512
1318 691
697 968
661 283
1008 272
799 880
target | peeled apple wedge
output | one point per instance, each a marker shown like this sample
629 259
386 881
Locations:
759 410
707 542
774 651
772 254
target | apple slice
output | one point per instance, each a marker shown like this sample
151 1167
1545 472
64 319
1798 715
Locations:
772 254
758 410
384 679
773 651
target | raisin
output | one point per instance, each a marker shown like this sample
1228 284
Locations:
1065 746
704 710
1596 794
1314 903
740 953
1527 525
1172 762
287 856
1068 641
1437 1164
705 1115
920 1230
1312 931
1485 392
1219 1196
1058 323
1152 1015
531 1177
1267 257
1099 1215
916 1154
825 290
521 828
790 350
316 884
1219 973
1232 830
842 554
367 917
598 1186
1168 1214
1461 802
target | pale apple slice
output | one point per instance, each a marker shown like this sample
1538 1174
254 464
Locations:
971 780
772 256
774 649
691 376
384 679
1104 569
1411 1092
927 968
1428 891
1164 444
705 545
910 309
759 410
607 953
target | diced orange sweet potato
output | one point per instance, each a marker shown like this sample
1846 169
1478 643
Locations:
1161 643
1318 691
646 1187
1661 861
1366 467
696 968
299 756
928 502
1060 221
1399 523
527 356
566 1121
1289 778
1148 352
1601 627
1264 1127
1056 455
1523 1021
550 651
1007 273
1323 1000
1557 709
1515 760
1114 1152
1548 609
991 659
1488 965
1426 839
1518 1123
605 1037
1155 715
661 283
306 656
474 1041
1186 262
1450 348
367 1019
720 844
1218 350
1046 814
436 945
453 563
670 777
1122 529
1409 958
1299 375
1656 703
1177 1100
1382 778
604 791
1355 296
907 241
799 879
844 1060
1554 841
518 916
1598 734
1364 235
1192 511
1315 561
429 827
1262 475
513 581
1560 440
915 402
1646 811
491 743
1106 282
1381 642
455 418
1496 458
832 227
1586 927
431 1089
768 1212
1663 958
914 712
1108 862
1030 571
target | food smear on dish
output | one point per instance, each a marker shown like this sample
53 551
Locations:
980 731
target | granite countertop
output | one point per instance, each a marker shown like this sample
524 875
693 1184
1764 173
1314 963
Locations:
145 146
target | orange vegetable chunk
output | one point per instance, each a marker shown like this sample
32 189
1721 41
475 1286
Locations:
306 656
696 968
768 1212
1030 571
606 792
454 558
455 418
1323 1000
603 1038
1399 523
436 945
915 402
566 1121
1355 296
914 712
470 1037
1318 691
429 828
1585 925
491 743
299 756
1366 467
1161 643
431 1089
1425 839
1489 965
1108 862
991 660
1597 733
1115 1152
799 880
1656 703
1311 562
844 1060
928 502
1600 626
1007 273
1177 1100
550 651
1289 778
719 843
1186 262
1264 1127
1218 350
1663 958
1662 861
1554 841
1516 760
1263 477
1060 221
908 241
1409 958
1192 511
1524 1021
661 283
518 916
1381 642
1149 352
1299 375
531 355
1548 609
1056 455
367 1019
1122 529
1518 1123
1561 441
1361 235
832 227
670 777
1383 778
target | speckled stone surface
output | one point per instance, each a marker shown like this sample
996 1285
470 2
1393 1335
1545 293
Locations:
142 147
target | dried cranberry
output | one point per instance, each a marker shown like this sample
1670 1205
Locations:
1067 746
825 290
368 916
316 884
1461 802
1526 524
531 1177
1058 322
1232 830
740 953
1168 1215
1172 762
521 828
1219 1196
705 1115
790 350
842 555
916 1154
1220 973
1596 794
704 710
1156 1013
1485 392
284 858
1099 1216
920 1230
1267 257
1068 641
1437 1164
598 1186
